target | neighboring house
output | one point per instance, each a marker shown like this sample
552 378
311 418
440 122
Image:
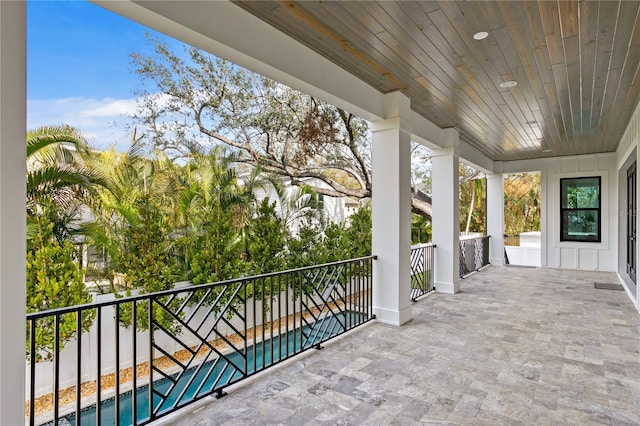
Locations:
332 209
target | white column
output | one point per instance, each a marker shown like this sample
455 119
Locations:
12 211
495 217
391 200
445 219
545 225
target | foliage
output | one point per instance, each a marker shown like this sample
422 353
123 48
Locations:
303 246
193 101
54 280
58 176
420 229
266 240
148 263
59 181
357 235
522 202
160 221
217 210
128 177
473 198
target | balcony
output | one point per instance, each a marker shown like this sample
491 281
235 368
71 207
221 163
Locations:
516 346
525 345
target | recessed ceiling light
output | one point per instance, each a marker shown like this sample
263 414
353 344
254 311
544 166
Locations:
546 150
509 83
481 35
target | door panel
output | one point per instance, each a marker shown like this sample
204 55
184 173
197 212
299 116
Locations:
631 222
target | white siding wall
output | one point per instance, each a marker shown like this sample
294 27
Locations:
629 140
577 255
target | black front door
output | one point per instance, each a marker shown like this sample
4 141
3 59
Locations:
631 222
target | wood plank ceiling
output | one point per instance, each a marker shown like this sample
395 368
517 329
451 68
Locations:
575 64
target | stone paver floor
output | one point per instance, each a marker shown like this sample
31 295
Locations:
518 346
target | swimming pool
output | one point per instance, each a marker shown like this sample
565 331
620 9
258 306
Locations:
213 373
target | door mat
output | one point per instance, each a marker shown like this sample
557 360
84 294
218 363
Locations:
608 286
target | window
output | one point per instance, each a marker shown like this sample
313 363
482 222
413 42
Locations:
580 209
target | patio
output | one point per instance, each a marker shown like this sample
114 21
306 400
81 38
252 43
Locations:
515 346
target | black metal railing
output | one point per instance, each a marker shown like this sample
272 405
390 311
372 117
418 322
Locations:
474 254
422 280
148 355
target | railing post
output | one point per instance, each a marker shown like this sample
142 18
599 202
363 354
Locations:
32 368
117 369
56 369
425 269
134 364
98 367
78 366
150 361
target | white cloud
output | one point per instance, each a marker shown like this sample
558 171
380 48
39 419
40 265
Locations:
111 108
104 121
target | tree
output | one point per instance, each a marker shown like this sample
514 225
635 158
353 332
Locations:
197 101
522 202
148 262
420 229
59 181
266 240
217 208
472 199
128 177
59 176
54 280
358 234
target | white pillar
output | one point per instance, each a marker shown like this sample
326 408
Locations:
12 210
445 218
391 201
545 224
495 217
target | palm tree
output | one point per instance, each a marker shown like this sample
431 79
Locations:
59 182
59 177
216 209
115 206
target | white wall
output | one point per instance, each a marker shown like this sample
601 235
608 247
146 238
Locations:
333 209
523 255
600 256
575 255
528 252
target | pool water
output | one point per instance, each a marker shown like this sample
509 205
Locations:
214 374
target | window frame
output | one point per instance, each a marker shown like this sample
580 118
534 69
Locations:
566 237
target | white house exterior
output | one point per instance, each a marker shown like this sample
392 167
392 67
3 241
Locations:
332 209
230 32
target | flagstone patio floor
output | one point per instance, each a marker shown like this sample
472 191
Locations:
517 346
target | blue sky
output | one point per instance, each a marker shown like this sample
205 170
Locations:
78 68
